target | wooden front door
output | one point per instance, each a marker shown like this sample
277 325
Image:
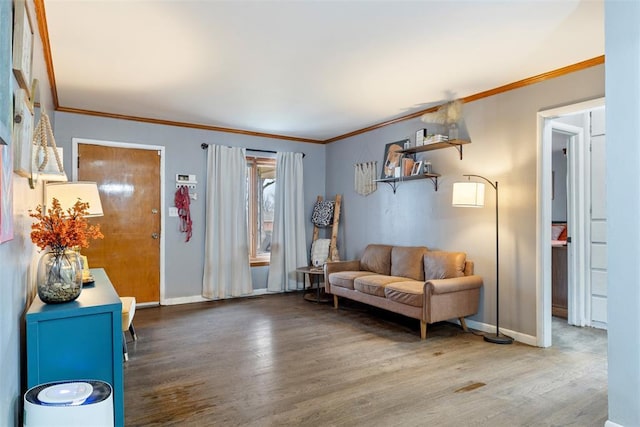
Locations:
129 184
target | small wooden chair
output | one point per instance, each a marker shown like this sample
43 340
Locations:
128 311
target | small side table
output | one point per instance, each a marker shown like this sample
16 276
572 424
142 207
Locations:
314 274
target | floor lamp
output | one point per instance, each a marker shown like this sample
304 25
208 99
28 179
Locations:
470 194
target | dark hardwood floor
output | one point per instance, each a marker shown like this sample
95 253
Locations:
278 360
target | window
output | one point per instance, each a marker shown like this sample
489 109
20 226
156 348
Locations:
261 185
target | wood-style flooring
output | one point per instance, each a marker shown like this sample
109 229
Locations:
278 360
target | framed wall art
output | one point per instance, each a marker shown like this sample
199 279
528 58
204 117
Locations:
22 134
23 45
6 107
392 159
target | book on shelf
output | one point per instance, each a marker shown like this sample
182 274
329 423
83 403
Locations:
432 139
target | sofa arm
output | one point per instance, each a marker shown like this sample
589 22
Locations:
333 266
455 284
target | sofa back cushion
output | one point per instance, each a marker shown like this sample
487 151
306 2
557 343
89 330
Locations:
406 261
377 259
444 265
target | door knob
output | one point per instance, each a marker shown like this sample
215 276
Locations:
155 235
154 211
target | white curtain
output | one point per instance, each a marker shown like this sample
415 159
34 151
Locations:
288 241
227 272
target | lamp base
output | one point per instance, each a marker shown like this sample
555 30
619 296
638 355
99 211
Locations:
498 339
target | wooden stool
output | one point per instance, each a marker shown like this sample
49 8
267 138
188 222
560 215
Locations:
128 311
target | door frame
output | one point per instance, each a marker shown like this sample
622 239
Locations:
161 149
578 283
543 213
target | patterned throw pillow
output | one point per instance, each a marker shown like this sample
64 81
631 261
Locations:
323 213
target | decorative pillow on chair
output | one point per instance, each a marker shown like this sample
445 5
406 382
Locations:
323 213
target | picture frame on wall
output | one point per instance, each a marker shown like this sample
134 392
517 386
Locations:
23 36
23 134
392 159
6 106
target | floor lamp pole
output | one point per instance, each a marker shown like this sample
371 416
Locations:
497 338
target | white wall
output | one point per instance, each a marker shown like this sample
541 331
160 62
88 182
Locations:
504 148
622 35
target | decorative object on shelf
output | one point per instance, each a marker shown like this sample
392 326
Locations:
364 176
434 139
417 167
391 158
421 134
427 169
471 195
407 166
59 277
448 113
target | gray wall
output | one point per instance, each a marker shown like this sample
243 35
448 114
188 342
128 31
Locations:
184 261
503 131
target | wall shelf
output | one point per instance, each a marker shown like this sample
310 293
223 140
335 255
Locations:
456 143
395 182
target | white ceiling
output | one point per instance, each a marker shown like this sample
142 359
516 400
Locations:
309 69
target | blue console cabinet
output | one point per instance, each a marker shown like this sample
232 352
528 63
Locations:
79 340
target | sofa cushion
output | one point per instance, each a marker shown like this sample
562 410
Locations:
344 279
374 284
408 292
377 259
444 265
406 261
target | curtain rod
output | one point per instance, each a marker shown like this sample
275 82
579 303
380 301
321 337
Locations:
204 146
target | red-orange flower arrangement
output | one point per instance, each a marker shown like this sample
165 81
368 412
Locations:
61 230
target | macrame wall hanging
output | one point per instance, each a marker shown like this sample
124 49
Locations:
364 178
47 157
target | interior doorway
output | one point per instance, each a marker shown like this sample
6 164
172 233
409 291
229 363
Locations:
572 124
129 181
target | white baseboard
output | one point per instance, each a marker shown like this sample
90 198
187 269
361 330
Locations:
518 336
611 424
200 298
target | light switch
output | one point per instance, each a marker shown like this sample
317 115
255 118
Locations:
173 211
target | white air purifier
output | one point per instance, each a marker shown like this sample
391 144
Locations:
84 403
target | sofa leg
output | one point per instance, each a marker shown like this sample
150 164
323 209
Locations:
335 302
423 330
463 324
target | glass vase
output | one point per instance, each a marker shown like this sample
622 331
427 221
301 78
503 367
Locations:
59 277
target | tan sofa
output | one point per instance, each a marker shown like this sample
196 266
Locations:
430 286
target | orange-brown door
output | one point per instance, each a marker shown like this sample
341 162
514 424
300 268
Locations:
129 184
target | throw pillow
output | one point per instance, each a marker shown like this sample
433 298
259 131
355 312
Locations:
320 252
444 265
323 213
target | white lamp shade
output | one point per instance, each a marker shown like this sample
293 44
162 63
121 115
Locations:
68 193
468 194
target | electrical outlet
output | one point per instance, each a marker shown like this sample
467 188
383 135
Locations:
173 211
